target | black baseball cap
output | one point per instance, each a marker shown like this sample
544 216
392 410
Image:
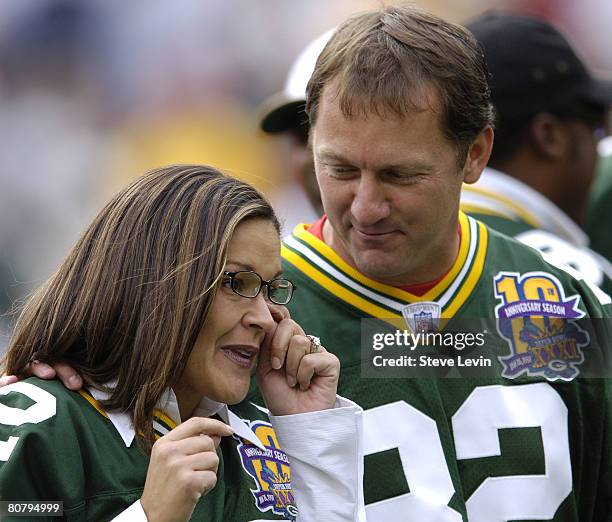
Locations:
285 109
533 67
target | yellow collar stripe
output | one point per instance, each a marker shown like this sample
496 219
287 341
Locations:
325 251
164 420
473 276
308 259
323 267
466 240
158 415
335 288
90 399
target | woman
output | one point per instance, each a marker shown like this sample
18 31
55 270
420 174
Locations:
164 307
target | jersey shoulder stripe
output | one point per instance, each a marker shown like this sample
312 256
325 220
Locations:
487 201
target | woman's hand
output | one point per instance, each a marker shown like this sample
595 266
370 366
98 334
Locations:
291 378
183 467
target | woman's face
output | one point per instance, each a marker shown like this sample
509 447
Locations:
225 353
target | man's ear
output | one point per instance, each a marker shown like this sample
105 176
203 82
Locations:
478 156
548 135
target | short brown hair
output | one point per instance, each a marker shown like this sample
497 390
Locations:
383 60
130 299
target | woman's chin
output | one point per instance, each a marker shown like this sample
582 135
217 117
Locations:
234 394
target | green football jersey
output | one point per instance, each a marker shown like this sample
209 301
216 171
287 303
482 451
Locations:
515 209
533 445
59 445
599 216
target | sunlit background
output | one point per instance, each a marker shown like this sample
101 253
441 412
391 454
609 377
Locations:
92 93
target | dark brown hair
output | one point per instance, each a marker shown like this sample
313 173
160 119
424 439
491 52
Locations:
385 60
130 299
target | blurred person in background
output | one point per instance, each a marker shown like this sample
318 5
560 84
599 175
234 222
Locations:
283 114
550 115
599 215
165 307
54 137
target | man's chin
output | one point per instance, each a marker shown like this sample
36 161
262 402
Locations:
378 266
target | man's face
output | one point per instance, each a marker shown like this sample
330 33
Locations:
390 186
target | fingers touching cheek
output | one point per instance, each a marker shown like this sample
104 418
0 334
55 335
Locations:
278 312
299 346
283 336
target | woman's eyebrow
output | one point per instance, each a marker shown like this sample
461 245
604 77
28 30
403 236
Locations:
243 266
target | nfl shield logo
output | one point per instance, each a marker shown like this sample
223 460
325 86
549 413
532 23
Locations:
422 317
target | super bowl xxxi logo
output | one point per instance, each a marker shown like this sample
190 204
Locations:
538 321
271 471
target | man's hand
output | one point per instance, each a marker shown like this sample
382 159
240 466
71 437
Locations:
65 373
293 380
183 467
7 379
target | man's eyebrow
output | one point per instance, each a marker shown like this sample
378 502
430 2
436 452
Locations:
410 165
331 155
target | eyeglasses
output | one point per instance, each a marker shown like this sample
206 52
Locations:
247 283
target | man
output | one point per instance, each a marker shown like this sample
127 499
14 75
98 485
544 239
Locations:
550 114
504 204
599 216
400 115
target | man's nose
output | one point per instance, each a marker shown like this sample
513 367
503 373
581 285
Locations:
370 204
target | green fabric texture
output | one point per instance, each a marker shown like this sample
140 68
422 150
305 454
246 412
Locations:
76 455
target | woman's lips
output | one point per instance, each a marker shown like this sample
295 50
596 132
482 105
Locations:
241 355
